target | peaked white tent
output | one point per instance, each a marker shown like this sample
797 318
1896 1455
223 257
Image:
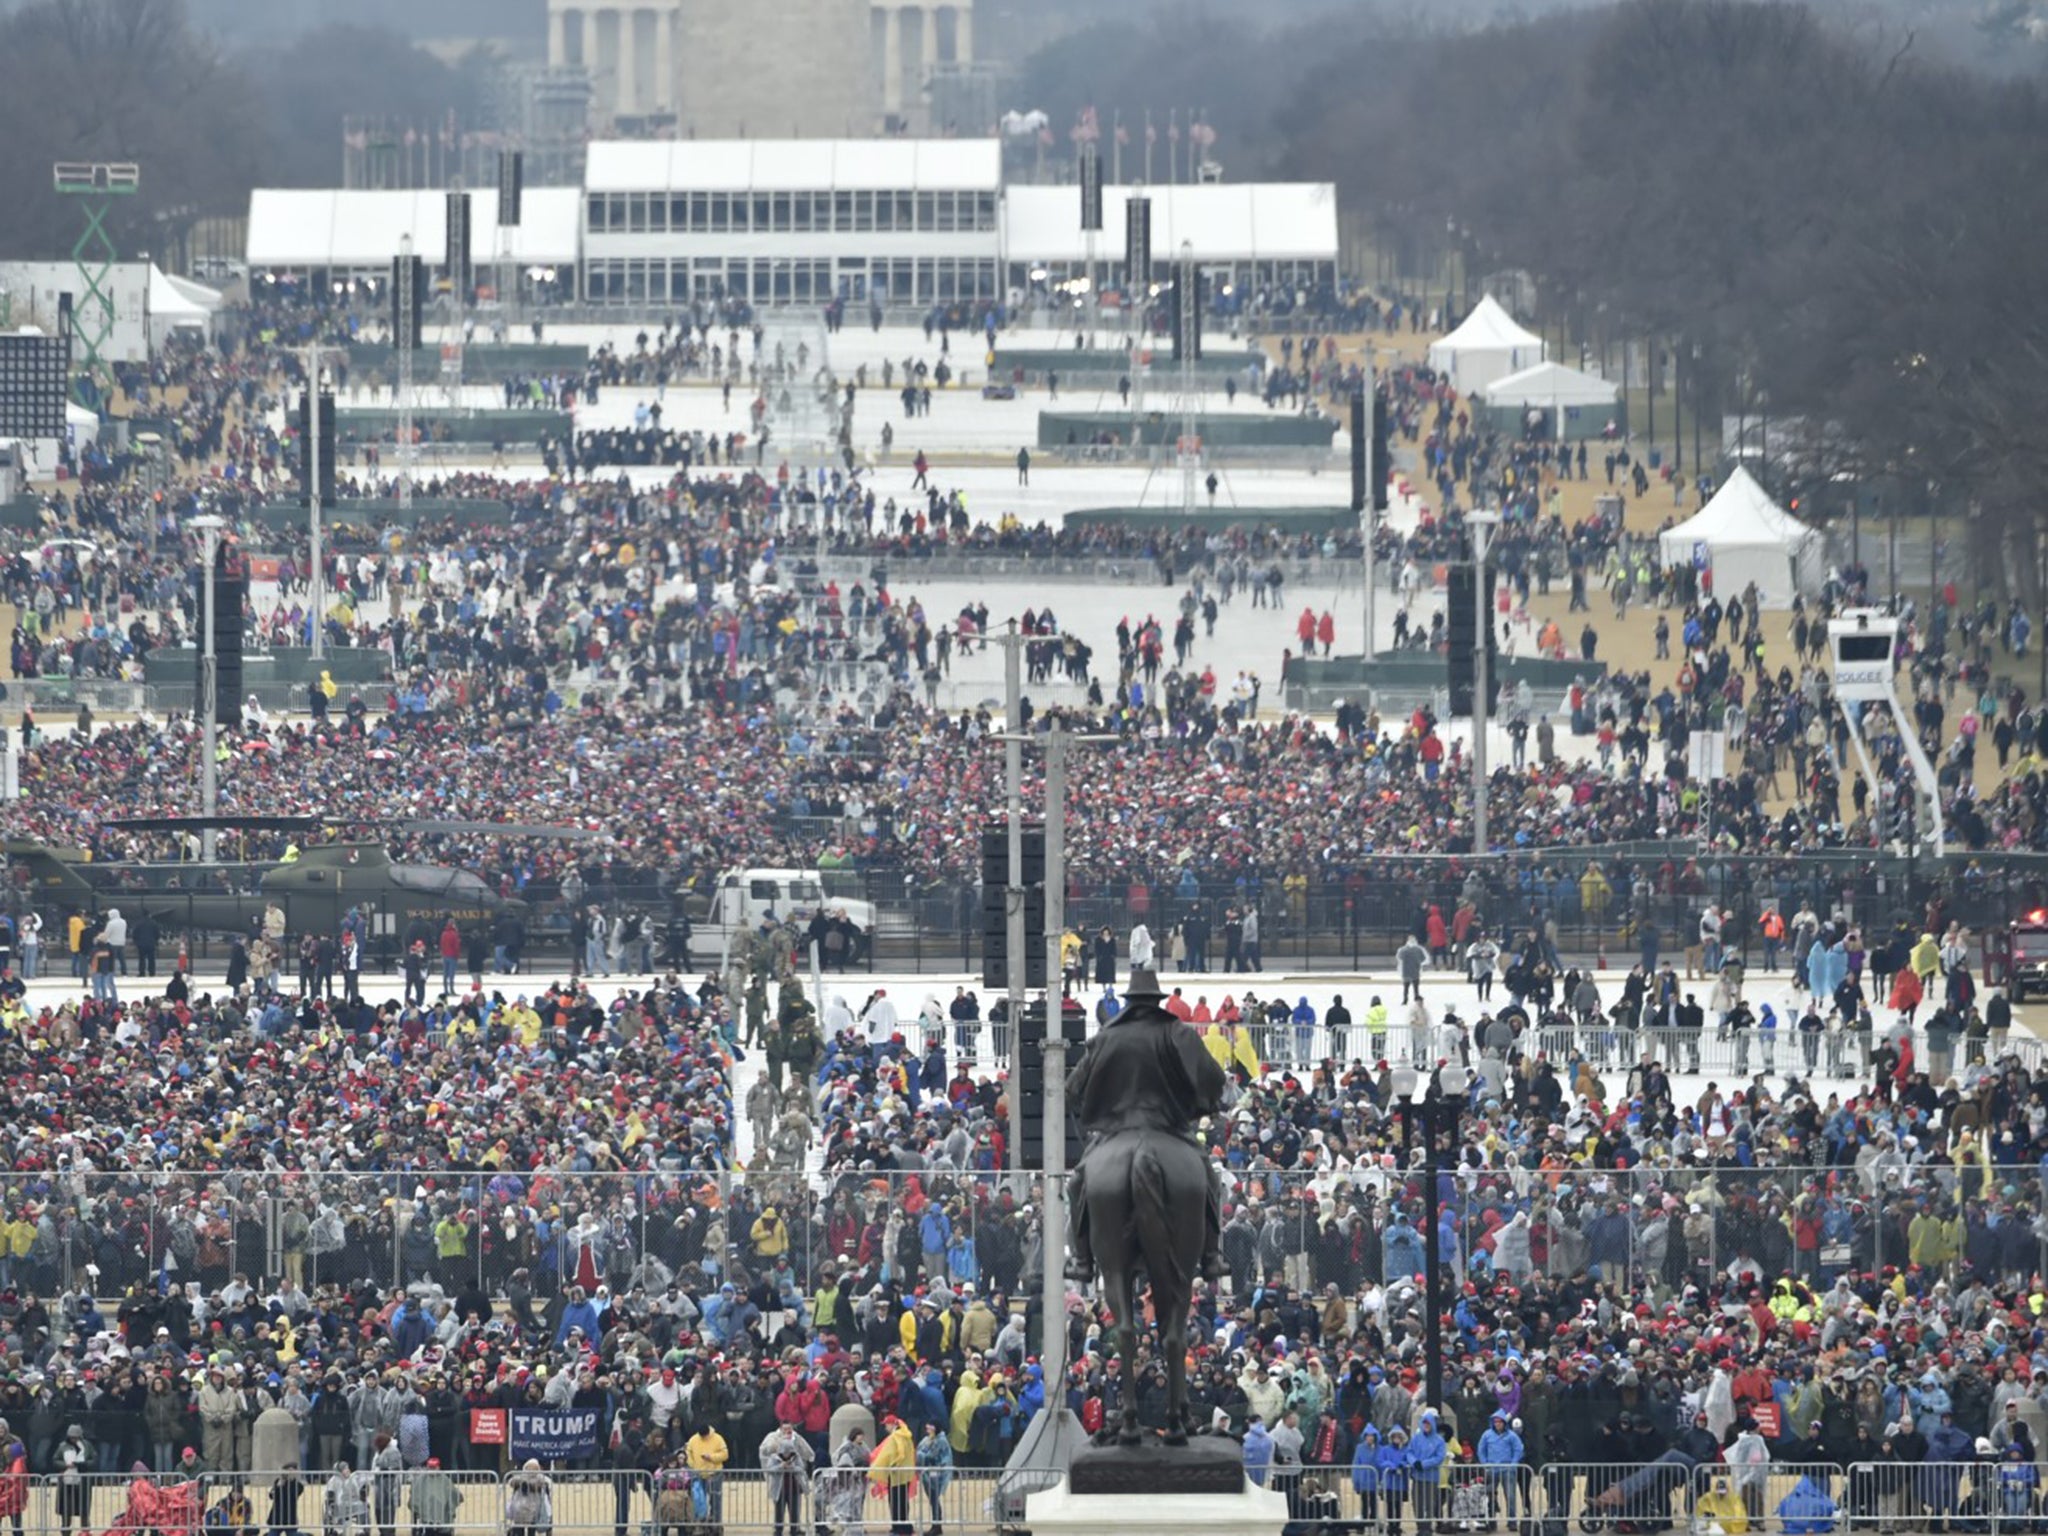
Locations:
175 303
1742 536
1488 346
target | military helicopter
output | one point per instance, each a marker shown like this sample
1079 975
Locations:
315 888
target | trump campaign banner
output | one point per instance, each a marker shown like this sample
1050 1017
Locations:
554 1434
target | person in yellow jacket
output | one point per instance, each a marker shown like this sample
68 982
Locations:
1721 1505
971 1395
894 1472
769 1235
1925 959
706 1454
1070 953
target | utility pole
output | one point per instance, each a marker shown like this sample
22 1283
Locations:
1012 643
1047 1446
316 576
403 340
1052 1349
1482 524
209 530
1368 514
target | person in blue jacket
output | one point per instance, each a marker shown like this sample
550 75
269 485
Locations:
1949 1451
1365 1474
2017 1480
1395 1466
579 1313
1427 1453
1500 1454
1304 1018
1402 1250
1258 1451
1806 1510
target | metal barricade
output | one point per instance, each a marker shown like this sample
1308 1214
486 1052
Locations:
1986 1496
906 1498
422 1500
1673 1491
89 1501
602 1500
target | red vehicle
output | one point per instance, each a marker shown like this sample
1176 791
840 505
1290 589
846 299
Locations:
2019 956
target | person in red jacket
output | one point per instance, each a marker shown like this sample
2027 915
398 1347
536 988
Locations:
451 956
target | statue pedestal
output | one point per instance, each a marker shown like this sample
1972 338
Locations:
1158 1490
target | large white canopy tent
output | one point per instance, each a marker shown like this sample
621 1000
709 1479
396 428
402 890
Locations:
1743 536
1578 404
1490 345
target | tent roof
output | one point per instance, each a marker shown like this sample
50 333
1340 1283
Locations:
1223 221
293 228
208 299
168 302
1740 512
1489 326
1550 384
793 165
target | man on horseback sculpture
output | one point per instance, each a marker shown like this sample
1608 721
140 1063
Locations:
1143 1085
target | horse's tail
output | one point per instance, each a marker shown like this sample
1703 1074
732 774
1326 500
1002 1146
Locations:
1151 1206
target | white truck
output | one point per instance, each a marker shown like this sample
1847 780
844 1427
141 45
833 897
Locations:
743 899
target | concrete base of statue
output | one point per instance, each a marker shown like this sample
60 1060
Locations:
1158 1490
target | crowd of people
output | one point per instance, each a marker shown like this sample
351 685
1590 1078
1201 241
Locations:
256 1231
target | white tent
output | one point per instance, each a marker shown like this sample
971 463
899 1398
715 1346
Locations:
1550 384
1742 536
1488 346
176 304
83 424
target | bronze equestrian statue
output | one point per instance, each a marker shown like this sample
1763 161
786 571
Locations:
1143 1200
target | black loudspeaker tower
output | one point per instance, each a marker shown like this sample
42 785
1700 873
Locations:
459 245
1382 450
1138 245
406 329
1358 429
1458 635
1471 665
230 588
1091 188
511 187
327 448
995 927
1030 1081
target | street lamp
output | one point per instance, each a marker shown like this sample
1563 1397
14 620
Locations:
1434 1102
1482 523
209 529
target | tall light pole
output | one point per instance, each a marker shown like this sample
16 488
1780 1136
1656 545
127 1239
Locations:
209 531
1049 1441
1054 1242
316 574
1433 1103
1482 525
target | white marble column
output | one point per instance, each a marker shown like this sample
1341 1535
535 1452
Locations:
666 94
963 34
604 53
558 37
892 60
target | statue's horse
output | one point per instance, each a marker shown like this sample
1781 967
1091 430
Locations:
1151 1186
